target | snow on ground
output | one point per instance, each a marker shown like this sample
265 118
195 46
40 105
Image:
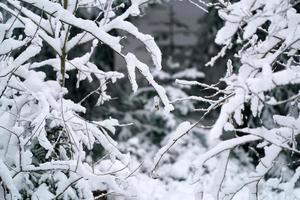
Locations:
176 179
156 189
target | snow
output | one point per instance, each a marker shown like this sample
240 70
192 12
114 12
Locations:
155 189
181 130
10 44
189 74
35 107
225 145
46 145
144 70
240 10
146 39
8 181
42 193
255 81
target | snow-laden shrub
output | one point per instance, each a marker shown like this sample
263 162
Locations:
259 106
266 34
44 140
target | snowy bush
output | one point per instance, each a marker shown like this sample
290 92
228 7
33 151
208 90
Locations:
259 106
44 140
266 34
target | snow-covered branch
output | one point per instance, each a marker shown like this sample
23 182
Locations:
45 143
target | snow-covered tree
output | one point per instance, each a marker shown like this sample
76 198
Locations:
45 143
259 106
